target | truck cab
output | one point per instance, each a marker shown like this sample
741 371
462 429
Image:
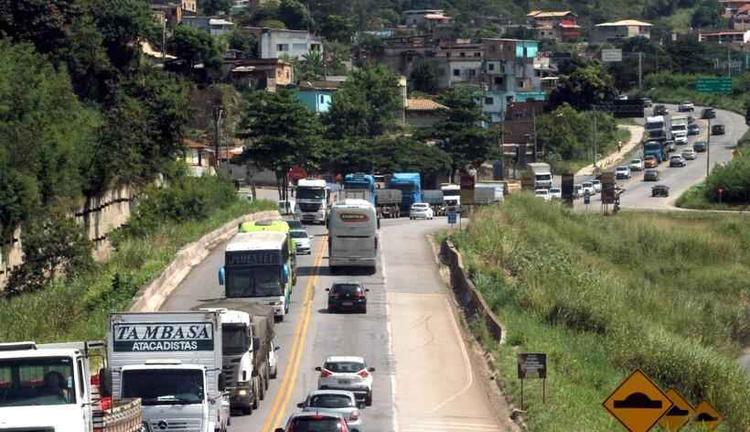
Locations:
238 348
451 195
410 185
360 186
312 197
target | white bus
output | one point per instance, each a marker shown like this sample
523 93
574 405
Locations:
352 235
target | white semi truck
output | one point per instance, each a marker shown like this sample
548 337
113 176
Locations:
49 387
451 194
541 173
312 197
172 361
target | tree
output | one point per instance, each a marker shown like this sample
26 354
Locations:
461 134
567 134
280 133
214 7
193 46
424 77
244 42
584 88
311 67
336 28
294 14
707 14
122 23
367 105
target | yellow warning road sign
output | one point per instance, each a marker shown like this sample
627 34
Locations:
638 403
707 415
679 415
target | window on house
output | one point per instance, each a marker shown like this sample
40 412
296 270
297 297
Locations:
491 66
472 73
477 54
489 101
520 83
322 99
315 47
456 72
282 47
287 75
499 80
508 99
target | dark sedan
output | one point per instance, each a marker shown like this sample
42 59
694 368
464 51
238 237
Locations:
718 129
660 191
347 296
708 113
650 175
694 129
700 146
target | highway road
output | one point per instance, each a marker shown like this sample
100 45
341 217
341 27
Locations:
426 378
638 192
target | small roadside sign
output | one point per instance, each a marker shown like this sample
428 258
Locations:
612 55
638 403
532 365
608 188
706 415
452 217
568 183
679 415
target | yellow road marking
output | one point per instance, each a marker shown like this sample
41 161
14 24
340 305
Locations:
284 394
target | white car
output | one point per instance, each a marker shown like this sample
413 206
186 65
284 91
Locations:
273 361
347 373
543 193
681 139
302 241
636 165
587 187
597 185
421 211
686 106
555 193
622 172
689 154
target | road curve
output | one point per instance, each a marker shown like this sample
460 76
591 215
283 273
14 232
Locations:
424 380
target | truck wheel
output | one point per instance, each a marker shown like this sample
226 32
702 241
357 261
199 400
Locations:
256 392
274 372
266 376
261 388
368 398
247 410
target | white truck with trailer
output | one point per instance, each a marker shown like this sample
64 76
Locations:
451 194
541 173
489 192
248 358
312 199
172 361
49 387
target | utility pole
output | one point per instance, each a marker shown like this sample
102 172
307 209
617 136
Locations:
729 62
594 137
533 120
640 71
163 42
708 149
218 119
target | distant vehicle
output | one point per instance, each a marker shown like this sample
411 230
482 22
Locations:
294 224
689 154
660 110
622 97
421 211
647 103
577 191
388 202
341 402
313 198
353 235
650 162
347 373
347 296
434 198
691 120
543 193
718 129
488 192
708 113
587 188
636 165
651 175
410 185
622 172
678 139
451 194
677 161
694 129
555 192
302 241
656 149
597 185
360 185
541 172
686 106
700 146
287 207
315 422
660 191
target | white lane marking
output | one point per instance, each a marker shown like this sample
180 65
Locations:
467 361
438 426
389 332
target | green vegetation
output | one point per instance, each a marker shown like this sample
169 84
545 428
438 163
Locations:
732 178
675 88
666 293
76 307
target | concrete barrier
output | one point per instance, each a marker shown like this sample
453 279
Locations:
151 297
469 298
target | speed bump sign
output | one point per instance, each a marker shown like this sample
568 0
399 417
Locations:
638 403
707 415
679 415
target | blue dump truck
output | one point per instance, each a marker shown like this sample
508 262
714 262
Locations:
361 186
655 148
410 185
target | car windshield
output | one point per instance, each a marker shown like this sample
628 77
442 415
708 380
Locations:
164 386
344 367
346 289
259 281
419 206
622 168
330 401
554 190
234 339
36 381
298 234
587 184
542 192
315 424
635 161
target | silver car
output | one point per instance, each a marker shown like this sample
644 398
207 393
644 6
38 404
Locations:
302 241
347 373
334 402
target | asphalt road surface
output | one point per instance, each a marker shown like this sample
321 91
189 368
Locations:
426 378
638 192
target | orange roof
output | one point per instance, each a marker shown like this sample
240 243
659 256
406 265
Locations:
424 105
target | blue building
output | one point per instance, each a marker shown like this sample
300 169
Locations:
317 95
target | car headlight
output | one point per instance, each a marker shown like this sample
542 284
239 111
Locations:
242 392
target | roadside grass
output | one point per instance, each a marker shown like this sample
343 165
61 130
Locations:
605 149
666 293
77 308
696 198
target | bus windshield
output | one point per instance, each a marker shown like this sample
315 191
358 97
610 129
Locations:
260 281
311 193
37 381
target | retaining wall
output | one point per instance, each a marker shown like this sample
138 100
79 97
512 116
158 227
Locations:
151 297
469 298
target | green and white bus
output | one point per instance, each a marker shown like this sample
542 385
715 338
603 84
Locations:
257 266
